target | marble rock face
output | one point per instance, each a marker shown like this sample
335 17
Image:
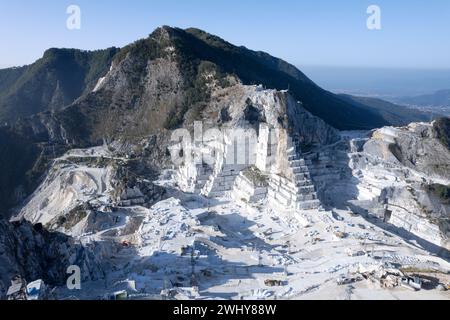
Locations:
30 251
266 129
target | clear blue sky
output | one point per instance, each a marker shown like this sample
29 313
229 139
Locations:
415 33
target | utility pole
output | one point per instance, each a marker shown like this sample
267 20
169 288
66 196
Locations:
259 258
165 292
193 279
161 241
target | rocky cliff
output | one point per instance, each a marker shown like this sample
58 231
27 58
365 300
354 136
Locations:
34 253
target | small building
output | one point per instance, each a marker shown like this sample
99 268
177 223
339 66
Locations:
17 290
413 283
118 295
348 279
36 290
273 283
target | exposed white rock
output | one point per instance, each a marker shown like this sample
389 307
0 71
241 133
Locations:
250 186
323 191
65 187
131 197
386 174
263 127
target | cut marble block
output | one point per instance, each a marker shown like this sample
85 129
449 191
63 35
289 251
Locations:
299 191
244 189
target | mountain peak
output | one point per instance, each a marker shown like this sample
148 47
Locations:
188 52
164 31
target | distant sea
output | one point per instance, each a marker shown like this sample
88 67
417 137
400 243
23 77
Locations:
378 82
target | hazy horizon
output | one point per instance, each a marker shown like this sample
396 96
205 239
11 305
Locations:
379 82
